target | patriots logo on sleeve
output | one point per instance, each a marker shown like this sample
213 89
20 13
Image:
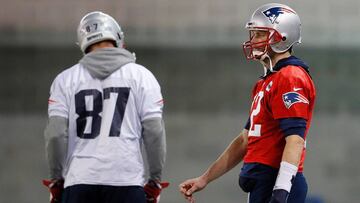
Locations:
274 13
291 98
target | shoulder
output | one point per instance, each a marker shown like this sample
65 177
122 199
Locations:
292 71
137 72
64 77
293 78
136 68
68 71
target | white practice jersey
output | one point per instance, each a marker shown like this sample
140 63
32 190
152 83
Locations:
105 123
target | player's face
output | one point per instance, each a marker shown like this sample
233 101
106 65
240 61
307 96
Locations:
257 37
260 41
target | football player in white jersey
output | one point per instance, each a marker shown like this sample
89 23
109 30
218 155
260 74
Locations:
101 111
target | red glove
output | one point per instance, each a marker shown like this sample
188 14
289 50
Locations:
153 189
56 188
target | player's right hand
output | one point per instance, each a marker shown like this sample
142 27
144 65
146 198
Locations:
56 188
153 189
188 187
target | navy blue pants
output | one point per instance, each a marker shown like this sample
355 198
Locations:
83 193
260 190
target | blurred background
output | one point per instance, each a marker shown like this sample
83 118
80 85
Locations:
194 49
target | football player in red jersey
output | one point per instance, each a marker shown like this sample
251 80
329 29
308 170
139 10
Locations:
272 144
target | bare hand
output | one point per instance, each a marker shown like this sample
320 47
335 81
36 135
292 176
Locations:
188 187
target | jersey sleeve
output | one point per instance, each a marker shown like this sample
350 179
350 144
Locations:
150 97
58 105
291 97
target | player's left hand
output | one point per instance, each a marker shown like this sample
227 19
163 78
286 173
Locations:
279 196
56 188
190 186
153 189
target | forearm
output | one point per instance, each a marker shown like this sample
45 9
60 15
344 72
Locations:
293 149
56 141
233 154
155 146
289 163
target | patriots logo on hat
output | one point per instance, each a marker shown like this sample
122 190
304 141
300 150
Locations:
274 13
291 98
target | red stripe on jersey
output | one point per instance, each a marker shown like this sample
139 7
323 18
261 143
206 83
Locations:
50 101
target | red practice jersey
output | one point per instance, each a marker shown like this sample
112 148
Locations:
287 93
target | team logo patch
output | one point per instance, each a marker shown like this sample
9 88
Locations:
291 98
274 12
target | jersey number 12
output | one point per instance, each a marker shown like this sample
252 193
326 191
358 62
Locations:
255 129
